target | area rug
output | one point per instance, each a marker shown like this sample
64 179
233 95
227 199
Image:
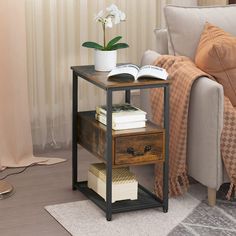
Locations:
85 218
204 220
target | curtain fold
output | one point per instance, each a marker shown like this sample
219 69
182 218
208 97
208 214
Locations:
16 148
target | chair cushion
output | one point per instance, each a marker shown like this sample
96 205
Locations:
185 25
216 55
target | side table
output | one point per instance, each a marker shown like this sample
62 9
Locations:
111 142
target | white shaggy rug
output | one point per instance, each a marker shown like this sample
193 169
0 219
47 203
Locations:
85 218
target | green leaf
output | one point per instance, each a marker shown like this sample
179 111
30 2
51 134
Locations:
119 46
93 45
112 42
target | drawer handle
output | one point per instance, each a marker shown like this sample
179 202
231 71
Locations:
134 153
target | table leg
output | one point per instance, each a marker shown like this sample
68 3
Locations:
74 131
109 157
127 96
166 163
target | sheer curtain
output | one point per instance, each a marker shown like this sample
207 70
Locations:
55 31
16 148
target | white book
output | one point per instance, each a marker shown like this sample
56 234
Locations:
136 72
118 110
123 119
122 126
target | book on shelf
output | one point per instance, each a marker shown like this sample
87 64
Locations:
123 119
136 72
124 116
121 125
118 110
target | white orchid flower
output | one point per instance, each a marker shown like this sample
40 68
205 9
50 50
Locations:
112 8
108 22
116 18
122 16
99 16
107 18
116 13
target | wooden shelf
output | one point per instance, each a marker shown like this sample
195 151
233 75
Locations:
119 148
145 200
100 79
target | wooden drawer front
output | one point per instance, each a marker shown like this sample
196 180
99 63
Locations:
140 148
90 136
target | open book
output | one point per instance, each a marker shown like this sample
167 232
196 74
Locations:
136 72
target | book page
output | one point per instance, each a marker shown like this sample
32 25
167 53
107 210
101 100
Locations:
153 71
121 109
125 69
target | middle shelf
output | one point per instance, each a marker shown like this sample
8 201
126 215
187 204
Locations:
129 147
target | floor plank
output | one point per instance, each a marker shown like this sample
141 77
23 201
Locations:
23 213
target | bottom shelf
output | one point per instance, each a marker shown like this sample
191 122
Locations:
145 200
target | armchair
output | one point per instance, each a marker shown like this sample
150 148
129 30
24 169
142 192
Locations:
205 119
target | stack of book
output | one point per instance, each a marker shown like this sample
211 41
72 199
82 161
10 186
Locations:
124 116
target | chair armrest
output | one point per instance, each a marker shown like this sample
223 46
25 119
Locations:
162 44
149 57
205 124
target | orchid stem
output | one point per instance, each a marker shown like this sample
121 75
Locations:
104 35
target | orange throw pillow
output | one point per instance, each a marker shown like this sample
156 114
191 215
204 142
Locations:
216 55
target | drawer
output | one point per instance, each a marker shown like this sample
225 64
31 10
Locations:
129 147
135 149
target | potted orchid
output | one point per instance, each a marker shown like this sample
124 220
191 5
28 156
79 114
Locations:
105 55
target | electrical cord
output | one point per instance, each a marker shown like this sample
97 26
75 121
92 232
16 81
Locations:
19 172
8 194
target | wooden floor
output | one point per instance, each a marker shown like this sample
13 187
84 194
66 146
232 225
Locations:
23 213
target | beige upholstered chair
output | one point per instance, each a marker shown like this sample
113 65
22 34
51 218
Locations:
184 27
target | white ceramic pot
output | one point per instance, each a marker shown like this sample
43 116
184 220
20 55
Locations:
105 60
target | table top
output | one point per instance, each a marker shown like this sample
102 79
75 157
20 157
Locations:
116 83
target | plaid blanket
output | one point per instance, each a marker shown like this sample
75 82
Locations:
183 73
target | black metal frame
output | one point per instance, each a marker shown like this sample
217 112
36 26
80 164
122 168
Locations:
146 199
